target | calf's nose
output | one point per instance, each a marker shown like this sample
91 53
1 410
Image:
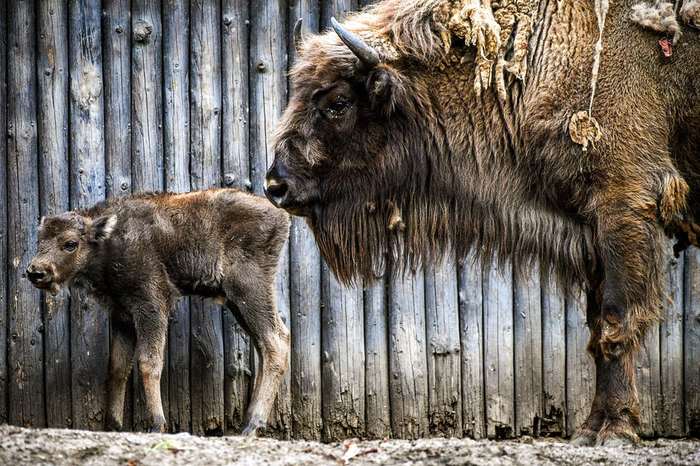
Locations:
34 274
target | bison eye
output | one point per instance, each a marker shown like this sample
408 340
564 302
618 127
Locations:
338 107
70 246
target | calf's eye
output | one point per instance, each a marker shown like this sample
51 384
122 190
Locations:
70 246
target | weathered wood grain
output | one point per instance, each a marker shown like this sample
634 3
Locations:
408 380
443 349
498 351
377 402
207 358
116 47
691 339
268 95
553 358
236 166
343 361
471 325
176 160
4 43
89 323
527 319
305 288
25 351
580 368
52 75
671 339
648 367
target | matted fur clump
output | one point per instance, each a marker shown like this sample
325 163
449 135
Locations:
662 16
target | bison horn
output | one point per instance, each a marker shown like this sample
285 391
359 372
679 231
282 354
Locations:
298 35
367 55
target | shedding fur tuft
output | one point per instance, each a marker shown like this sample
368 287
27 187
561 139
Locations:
659 16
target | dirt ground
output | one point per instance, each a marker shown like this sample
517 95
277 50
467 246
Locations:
57 446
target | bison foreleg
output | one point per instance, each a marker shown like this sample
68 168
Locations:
121 360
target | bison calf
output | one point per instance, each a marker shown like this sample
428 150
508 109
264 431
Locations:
137 254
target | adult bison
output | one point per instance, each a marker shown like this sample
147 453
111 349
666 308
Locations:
393 148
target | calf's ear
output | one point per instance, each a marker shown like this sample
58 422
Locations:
102 227
385 89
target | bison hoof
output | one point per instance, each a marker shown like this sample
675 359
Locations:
617 433
584 438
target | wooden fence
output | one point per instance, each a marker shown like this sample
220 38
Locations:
104 99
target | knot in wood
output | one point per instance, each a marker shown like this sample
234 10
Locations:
142 30
260 67
229 179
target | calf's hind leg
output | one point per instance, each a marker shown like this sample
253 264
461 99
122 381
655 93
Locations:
151 331
251 298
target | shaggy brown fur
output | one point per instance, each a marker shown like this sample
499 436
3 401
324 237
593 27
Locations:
403 161
137 254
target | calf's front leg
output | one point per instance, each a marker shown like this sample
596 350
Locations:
120 361
254 306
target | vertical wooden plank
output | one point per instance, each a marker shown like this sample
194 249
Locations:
377 403
691 338
580 368
236 164
89 324
528 352
671 405
116 50
553 358
342 337
444 365
305 288
24 320
52 73
207 369
268 95
116 47
346 306
471 325
648 367
4 43
407 357
176 158
498 350
146 139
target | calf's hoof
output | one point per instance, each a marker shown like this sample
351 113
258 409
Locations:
617 433
112 425
584 437
251 430
157 427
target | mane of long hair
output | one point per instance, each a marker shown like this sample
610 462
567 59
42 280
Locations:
424 202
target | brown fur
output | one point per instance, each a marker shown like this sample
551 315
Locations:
403 162
137 254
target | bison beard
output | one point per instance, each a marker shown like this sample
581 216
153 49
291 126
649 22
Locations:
427 161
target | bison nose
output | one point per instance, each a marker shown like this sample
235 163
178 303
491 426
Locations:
276 191
276 186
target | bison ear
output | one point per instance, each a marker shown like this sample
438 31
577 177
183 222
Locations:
102 227
385 89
